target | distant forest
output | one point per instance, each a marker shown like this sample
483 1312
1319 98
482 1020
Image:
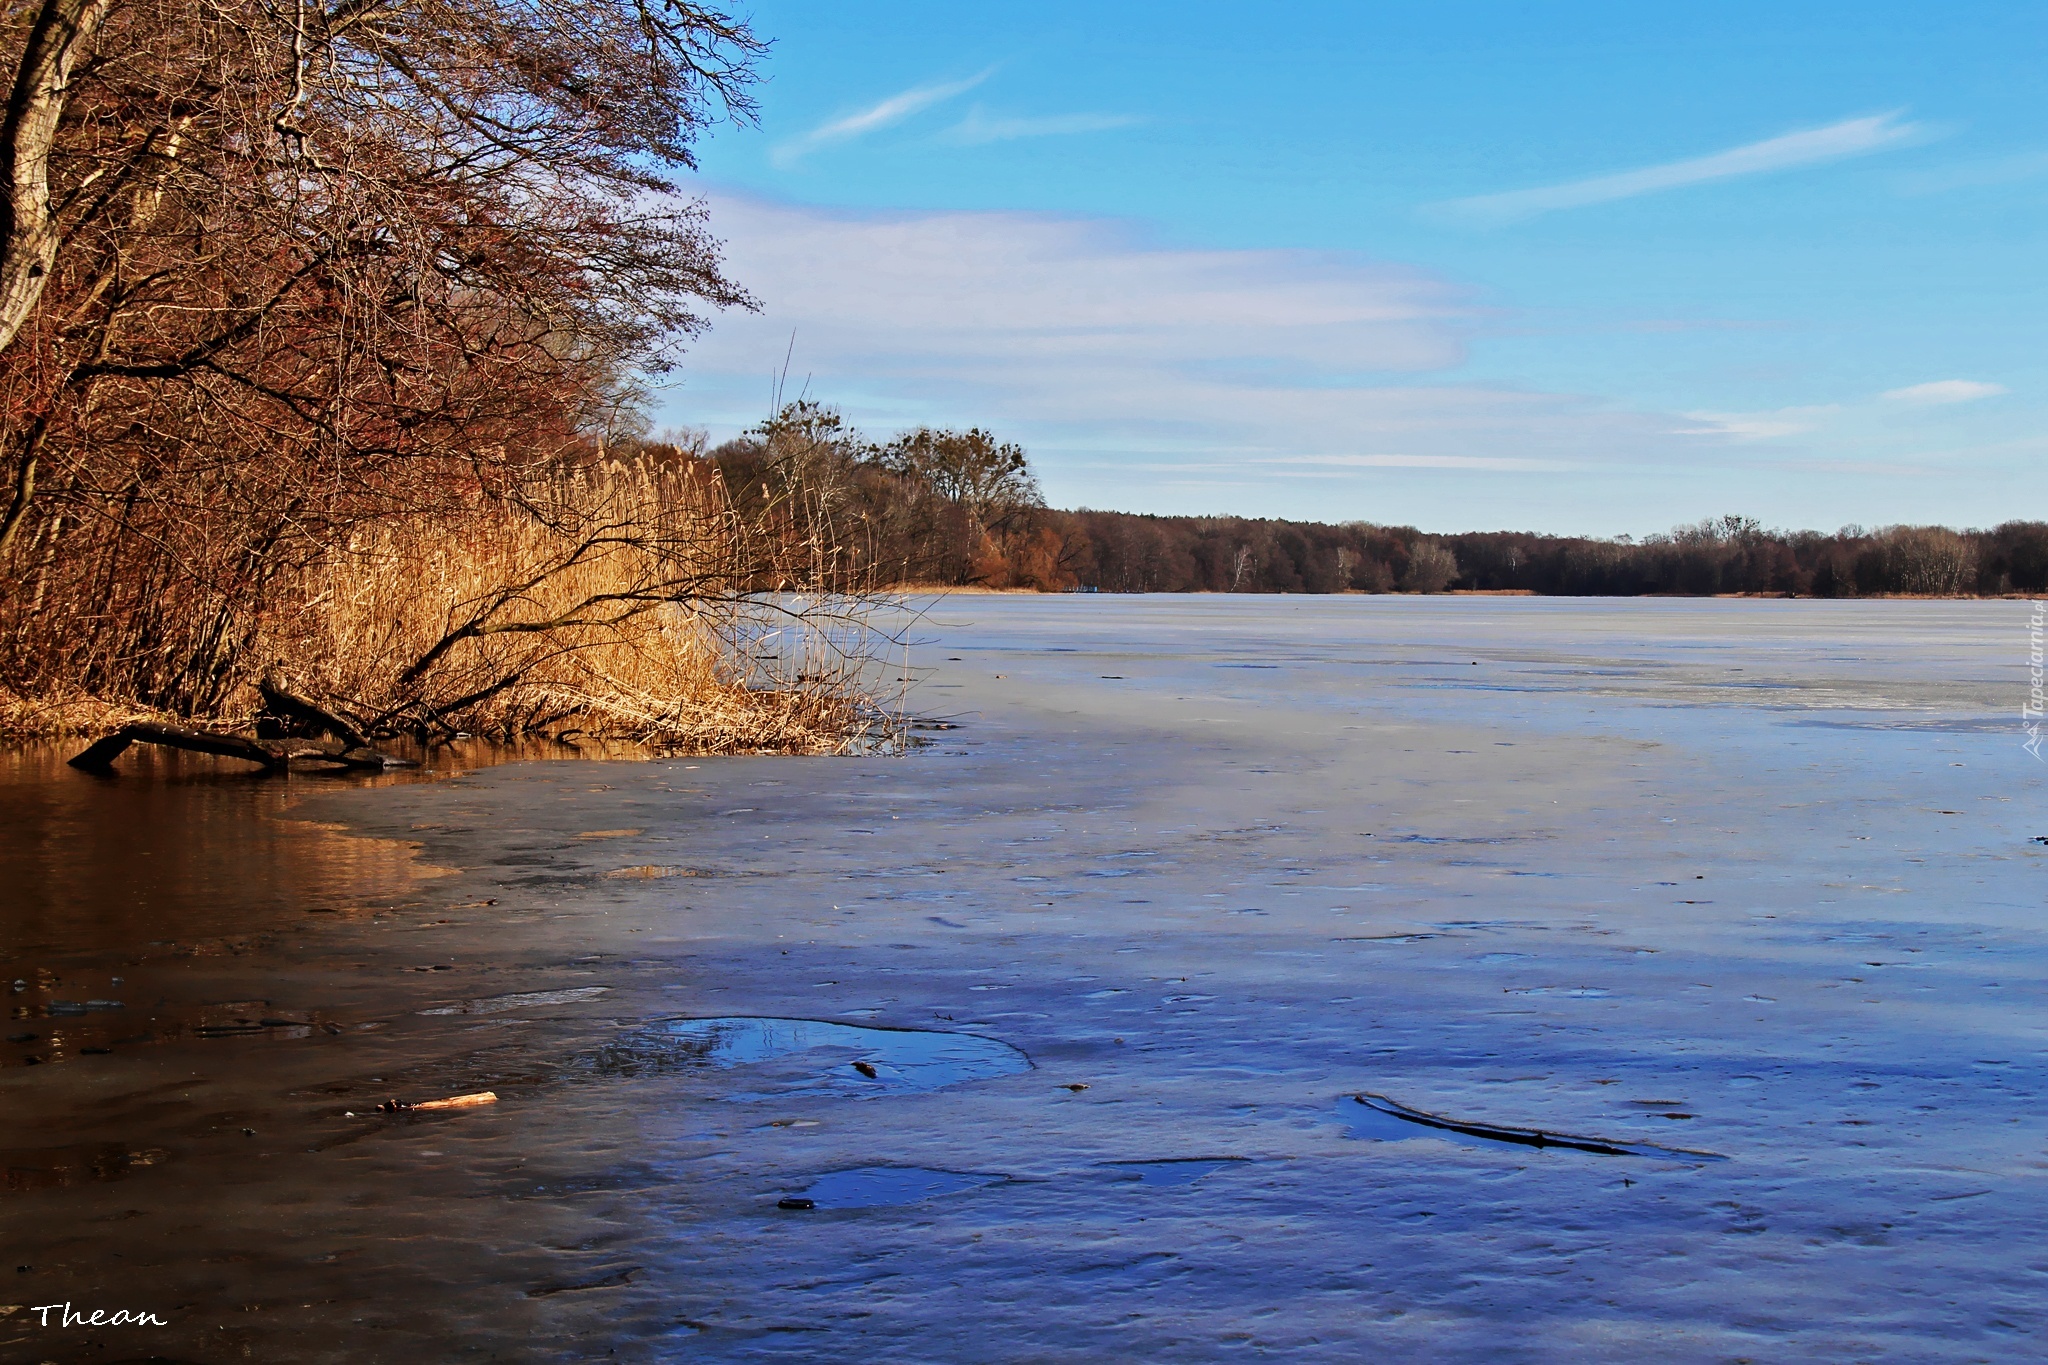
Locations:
964 509
1119 552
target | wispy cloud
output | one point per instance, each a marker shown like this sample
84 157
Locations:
1491 463
1850 137
1860 420
1943 391
1761 426
978 128
875 117
1100 348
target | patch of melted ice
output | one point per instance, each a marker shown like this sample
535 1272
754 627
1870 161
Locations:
870 1187
786 1056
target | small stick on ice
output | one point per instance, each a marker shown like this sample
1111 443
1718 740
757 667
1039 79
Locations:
461 1101
452 1102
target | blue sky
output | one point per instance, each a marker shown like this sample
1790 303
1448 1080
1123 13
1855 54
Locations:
1589 268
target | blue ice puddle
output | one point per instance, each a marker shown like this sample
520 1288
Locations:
872 1187
830 1058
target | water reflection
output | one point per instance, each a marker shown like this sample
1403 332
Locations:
107 879
176 845
182 846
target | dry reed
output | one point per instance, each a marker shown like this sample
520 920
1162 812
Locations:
615 601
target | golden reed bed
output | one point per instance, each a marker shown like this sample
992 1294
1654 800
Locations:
620 600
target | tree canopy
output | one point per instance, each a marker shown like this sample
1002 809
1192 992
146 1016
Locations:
272 270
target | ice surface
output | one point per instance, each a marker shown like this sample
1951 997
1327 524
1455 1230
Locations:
1180 1170
841 1059
520 1000
1602 883
873 1187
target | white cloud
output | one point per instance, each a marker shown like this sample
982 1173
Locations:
1850 137
1774 423
978 128
874 118
1944 391
964 289
1483 462
1761 426
1102 350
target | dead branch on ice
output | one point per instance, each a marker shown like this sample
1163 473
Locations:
270 755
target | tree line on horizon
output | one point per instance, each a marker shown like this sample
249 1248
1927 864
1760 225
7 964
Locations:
1122 552
963 509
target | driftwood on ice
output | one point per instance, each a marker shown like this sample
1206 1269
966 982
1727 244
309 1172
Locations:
273 755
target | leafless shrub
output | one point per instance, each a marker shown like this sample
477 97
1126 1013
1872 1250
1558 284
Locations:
1431 567
1921 560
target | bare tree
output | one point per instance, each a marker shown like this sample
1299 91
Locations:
1431 567
274 270
990 480
29 235
1242 565
1928 561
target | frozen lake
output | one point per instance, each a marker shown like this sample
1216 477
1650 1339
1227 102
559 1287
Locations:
1753 880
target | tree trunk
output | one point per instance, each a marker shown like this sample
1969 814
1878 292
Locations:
28 229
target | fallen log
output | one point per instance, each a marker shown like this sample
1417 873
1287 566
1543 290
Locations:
270 755
102 754
310 714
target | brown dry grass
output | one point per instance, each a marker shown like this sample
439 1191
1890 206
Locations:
25 718
620 601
